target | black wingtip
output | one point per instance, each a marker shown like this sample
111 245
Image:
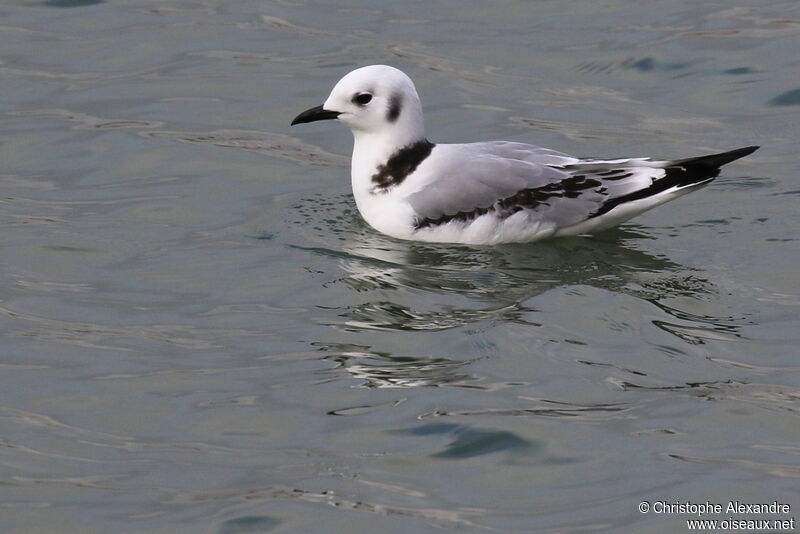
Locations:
718 160
681 174
738 153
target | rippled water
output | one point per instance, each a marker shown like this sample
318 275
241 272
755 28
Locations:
201 335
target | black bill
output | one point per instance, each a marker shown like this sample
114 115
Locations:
315 114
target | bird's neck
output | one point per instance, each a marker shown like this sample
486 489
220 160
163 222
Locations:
372 151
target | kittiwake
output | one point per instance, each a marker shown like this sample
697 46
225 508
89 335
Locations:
488 192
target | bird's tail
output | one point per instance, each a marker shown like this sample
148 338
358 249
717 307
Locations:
681 176
701 169
714 161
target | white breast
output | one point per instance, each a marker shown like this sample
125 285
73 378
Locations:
386 213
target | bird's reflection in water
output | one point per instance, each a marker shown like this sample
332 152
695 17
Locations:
405 287
432 287
489 277
386 371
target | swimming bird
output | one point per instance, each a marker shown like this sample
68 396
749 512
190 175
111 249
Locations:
487 192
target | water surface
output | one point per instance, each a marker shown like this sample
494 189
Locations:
201 335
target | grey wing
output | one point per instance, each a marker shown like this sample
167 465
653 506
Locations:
475 176
473 179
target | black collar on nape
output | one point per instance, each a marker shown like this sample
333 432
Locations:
400 165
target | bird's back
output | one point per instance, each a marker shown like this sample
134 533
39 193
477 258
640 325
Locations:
487 192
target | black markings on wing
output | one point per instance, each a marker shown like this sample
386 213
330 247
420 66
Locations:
679 174
461 216
674 177
401 164
599 184
395 106
615 174
530 199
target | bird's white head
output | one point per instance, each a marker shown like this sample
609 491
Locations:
376 101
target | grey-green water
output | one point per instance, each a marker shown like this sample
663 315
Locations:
199 334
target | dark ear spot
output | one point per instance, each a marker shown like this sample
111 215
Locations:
395 105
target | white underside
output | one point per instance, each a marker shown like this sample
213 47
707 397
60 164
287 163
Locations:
397 220
488 229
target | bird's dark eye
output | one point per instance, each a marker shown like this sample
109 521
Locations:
362 99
